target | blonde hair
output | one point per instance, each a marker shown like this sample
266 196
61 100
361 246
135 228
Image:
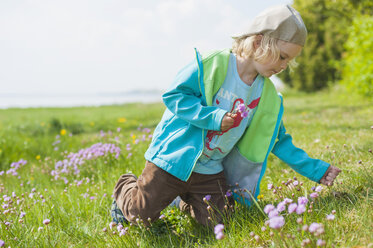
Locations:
268 49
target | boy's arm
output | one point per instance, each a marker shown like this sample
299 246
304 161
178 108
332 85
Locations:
185 100
314 169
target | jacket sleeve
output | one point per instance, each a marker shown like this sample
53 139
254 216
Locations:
184 98
297 159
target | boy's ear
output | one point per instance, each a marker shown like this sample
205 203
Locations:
257 41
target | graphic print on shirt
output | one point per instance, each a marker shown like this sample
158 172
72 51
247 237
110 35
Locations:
237 121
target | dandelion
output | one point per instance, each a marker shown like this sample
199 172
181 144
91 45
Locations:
37 157
276 222
63 132
46 222
122 120
260 197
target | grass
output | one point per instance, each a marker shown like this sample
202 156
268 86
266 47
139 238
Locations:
328 126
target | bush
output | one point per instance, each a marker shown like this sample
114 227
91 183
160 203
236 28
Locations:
357 67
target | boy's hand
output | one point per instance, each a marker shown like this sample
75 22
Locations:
228 121
330 175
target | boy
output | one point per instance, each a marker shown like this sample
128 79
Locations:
223 117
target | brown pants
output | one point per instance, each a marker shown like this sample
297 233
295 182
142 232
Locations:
155 189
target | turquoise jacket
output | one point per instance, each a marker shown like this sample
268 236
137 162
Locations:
179 138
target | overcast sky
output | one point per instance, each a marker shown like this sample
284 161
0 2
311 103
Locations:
91 46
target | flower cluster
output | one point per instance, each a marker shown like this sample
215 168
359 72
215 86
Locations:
241 108
218 230
14 167
74 160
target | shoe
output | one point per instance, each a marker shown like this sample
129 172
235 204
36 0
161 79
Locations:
175 202
117 214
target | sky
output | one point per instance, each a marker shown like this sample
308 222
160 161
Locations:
111 46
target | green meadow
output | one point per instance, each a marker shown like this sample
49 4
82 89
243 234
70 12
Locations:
58 167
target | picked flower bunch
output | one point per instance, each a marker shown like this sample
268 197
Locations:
242 109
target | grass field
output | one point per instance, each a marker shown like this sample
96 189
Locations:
58 167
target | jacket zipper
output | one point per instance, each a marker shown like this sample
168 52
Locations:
199 154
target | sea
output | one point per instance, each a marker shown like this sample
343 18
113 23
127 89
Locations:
76 100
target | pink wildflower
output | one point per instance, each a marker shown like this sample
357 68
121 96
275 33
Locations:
2 243
268 208
300 209
302 200
320 242
273 213
318 188
292 208
313 227
46 221
218 228
219 235
314 195
276 222
330 217
281 207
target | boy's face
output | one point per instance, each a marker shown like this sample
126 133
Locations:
288 51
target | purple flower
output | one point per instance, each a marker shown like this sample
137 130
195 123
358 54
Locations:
123 231
244 114
207 198
270 186
281 207
313 227
229 193
320 242
273 213
287 200
292 208
46 221
218 228
300 209
295 183
268 208
22 214
330 217
219 235
162 216
314 195
241 107
112 224
318 188
302 200
276 222
2 243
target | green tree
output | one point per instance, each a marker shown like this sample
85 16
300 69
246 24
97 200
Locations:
327 22
357 66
